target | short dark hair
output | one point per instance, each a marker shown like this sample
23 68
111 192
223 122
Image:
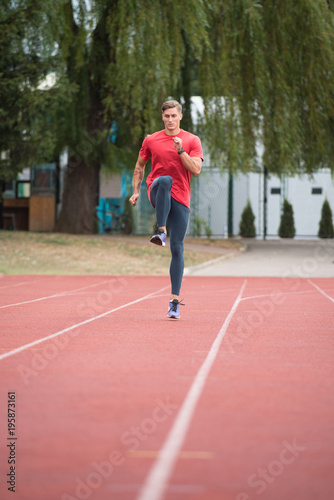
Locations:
171 104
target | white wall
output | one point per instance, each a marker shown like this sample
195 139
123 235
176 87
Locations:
307 206
210 200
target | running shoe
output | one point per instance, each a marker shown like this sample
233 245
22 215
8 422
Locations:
159 238
174 310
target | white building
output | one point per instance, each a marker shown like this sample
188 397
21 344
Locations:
210 200
211 192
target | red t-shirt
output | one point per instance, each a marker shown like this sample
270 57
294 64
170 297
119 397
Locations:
166 161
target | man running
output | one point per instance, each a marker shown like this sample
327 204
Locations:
175 154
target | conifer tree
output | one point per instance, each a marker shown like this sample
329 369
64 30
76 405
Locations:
287 225
247 226
326 229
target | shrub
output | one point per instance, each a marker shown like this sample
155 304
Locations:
287 225
197 225
201 225
326 229
208 230
246 226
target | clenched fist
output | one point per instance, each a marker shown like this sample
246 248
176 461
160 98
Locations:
177 143
133 199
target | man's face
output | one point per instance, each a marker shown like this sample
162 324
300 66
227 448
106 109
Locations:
171 118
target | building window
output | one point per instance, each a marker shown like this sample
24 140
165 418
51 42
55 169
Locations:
275 191
316 190
22 189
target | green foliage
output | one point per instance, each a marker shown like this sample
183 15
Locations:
208 230
200 225
28 114
264 69
326 229
247 226
272 61
287 225
197 226
117 61
124 58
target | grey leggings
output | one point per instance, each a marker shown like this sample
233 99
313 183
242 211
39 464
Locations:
172 213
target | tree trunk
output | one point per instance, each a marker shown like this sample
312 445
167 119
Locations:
80 197
81 186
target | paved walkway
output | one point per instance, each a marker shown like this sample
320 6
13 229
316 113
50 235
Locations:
277 258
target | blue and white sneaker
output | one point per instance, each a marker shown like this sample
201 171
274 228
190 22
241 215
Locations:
174 310
159 238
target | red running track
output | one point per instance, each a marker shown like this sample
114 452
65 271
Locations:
114 401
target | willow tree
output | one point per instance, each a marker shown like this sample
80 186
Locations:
124 57
273 68
28 108
265 69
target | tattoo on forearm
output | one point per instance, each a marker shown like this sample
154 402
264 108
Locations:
139 173
193 161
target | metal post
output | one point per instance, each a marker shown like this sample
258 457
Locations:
265 201
230 205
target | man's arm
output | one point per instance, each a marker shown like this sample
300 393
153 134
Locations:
192 164
138 176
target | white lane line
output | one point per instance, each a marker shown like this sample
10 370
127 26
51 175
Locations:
18 284
77 325
280 293
156 482
321 291
172 488
59 294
